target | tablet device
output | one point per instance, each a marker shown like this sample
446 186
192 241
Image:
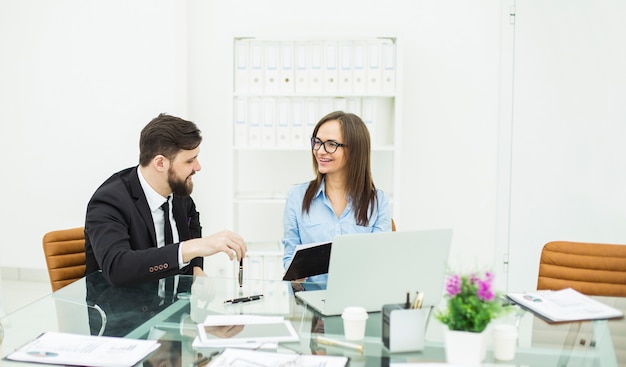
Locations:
270 332
308 260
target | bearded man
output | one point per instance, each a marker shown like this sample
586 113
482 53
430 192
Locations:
142 224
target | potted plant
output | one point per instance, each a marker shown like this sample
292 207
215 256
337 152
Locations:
471 305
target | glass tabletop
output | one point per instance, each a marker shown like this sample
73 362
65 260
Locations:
91 306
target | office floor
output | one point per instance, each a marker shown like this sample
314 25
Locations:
19 293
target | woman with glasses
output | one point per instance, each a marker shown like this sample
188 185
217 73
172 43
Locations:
342 199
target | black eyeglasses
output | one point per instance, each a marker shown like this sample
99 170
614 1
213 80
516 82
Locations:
330 146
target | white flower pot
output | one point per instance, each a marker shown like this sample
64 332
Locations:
464 347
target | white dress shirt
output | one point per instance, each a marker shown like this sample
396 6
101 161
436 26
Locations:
155 200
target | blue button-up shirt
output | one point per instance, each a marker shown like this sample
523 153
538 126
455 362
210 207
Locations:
321 224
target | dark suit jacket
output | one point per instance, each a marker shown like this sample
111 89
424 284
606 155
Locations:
120 238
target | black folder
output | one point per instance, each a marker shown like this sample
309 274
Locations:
309 260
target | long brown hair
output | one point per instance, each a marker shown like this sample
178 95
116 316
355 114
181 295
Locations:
359 183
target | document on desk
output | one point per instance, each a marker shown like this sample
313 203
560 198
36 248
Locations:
84 350
241 357
566 305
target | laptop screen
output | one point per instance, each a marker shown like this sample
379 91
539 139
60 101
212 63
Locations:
374 269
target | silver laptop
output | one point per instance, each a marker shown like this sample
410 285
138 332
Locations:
374 269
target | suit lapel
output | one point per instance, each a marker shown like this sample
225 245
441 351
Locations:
141 203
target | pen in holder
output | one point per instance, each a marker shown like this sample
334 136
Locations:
404 329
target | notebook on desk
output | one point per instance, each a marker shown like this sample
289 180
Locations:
373 269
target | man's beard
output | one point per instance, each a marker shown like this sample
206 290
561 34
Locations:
181 188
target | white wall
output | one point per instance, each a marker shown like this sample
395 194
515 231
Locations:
78 81
569 124
450 117
80 78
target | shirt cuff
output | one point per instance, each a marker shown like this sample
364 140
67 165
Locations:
181 264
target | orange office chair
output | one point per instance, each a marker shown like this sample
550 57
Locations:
65 256
594 269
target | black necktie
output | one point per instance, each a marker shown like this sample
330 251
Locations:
167 226
169 239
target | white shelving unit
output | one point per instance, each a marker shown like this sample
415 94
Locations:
282 88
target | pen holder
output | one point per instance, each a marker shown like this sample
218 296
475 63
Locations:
404 329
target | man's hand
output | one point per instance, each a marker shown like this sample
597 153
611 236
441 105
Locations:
224 331
225 241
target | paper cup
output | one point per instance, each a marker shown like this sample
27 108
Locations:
504 342
354 319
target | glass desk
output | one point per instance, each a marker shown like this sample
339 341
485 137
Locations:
92 306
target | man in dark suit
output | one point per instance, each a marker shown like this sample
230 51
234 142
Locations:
124 234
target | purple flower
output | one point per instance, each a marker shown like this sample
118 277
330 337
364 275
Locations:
488 276
472 302
485 293
453 285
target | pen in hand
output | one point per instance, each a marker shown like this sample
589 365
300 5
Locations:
241 272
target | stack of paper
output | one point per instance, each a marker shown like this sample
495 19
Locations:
238 357
564 305
84 350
